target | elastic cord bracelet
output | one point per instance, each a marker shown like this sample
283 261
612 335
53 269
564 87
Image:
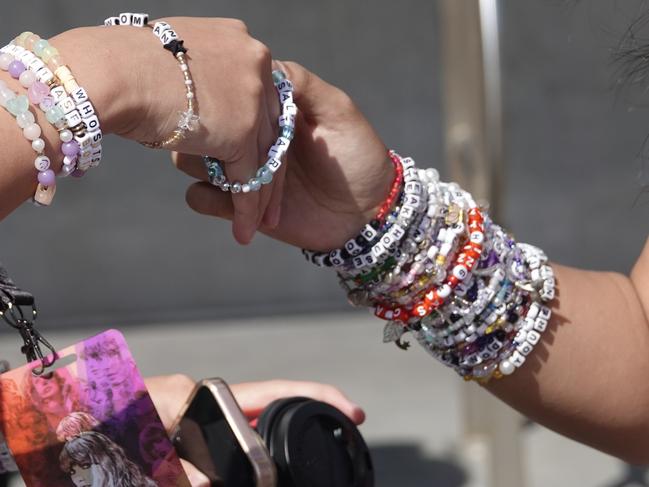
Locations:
65 103
277 152
18 106
188 120
471 295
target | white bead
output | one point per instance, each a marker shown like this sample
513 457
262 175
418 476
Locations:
159 28
58 93
92 123
273 164
245 188
25 119
517 359
84 140
27 78
540 324
45 75
5 60
190 95
139 20
184 67
189 82
525 348
533 337
111 21
73 118
66 104
444 291
79 95
125 18
290 109
42 163
69 160
460 272
32 131
38 145
36 64
66 135
96 137
168 36
86 109
506 367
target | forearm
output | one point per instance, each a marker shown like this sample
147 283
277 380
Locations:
587 378
97 58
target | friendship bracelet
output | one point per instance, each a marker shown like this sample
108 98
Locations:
65 104
189 120
277 152
18 106
471 295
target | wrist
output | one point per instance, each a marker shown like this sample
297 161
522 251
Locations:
102 63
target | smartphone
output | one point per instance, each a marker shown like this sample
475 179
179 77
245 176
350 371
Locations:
213 433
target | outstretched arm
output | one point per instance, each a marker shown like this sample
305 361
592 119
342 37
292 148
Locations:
587 379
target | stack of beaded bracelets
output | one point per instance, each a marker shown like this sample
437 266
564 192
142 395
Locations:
188 120
438 267
66 105
276 153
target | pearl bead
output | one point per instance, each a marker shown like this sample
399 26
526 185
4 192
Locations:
5 60
27 78
38 145
506 367
236 187
245 188
66 170
32 132
190 95
25 119
70 161
42 163
66 135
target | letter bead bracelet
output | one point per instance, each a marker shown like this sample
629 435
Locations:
188 120
277 152
439 268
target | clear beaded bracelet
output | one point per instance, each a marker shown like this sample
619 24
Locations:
277 152
188 120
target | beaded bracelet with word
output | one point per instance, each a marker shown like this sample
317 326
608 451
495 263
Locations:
39 94
277 152
72 105
188 120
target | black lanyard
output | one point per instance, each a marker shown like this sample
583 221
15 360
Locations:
18 309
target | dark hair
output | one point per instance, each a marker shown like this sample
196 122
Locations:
92 448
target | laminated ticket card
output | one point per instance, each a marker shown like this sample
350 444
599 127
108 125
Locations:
89 422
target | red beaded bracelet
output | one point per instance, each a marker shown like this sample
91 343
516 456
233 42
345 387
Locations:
435 296
395 189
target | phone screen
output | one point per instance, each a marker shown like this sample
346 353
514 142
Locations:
205 439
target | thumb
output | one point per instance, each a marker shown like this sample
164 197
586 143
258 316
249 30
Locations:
195 476
206 199
316 99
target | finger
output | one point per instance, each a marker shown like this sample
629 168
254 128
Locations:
267 137
208 200
254 397
190 164
274 212
246 205
195 476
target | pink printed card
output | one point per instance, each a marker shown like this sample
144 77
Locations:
92 423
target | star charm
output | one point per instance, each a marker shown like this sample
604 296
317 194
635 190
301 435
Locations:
188 120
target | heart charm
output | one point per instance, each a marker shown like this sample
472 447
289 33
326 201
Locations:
18 105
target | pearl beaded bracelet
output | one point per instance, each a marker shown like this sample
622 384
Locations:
188 120
277 152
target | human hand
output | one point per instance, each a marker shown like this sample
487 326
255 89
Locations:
337 173
170 393
138 90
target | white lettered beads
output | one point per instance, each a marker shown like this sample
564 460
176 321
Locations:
277 152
